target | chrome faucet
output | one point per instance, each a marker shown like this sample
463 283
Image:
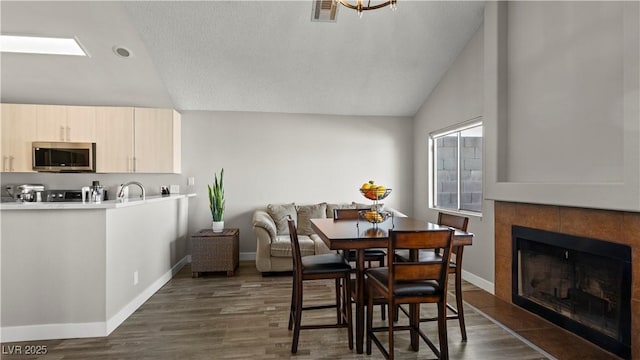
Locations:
125 185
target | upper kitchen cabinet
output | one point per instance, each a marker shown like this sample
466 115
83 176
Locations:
137 140
18 126
65 123
157 140
114 139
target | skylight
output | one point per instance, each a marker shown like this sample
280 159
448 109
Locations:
40 45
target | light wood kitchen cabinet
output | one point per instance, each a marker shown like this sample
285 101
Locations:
157 140
65 123
140 140
128 139
18 128
114 139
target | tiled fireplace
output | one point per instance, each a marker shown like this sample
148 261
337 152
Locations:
610 226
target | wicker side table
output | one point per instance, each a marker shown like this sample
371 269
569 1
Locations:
215 251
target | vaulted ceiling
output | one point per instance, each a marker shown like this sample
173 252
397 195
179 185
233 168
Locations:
264 56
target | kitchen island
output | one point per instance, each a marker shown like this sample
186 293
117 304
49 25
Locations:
79 270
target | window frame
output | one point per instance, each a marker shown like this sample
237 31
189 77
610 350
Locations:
431 170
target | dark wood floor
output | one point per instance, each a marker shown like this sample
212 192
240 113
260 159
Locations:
245 317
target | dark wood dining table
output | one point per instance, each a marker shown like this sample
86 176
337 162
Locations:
360 235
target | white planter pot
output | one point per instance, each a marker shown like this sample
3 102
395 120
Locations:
217 226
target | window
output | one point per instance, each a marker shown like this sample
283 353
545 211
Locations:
456 168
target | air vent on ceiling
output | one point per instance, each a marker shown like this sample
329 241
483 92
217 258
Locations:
324 11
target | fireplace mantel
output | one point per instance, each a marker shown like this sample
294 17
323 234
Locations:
615 226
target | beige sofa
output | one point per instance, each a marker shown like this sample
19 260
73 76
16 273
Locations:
273 245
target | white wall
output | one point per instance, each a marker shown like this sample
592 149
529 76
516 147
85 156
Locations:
562 105
457 98
276 158
53 280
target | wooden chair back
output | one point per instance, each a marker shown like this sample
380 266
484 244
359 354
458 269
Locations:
346 214
414 241
295 248
455 221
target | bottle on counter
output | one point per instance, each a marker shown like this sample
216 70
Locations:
97 192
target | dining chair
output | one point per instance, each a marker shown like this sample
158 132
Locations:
375 255
318 267
412 282
455 267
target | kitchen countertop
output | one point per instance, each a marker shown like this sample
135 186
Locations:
107 204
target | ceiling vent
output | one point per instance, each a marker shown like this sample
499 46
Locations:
324 11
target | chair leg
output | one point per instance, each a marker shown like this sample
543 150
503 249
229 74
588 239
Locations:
463 329
346 301
392 350
414 325
382 306
338 301
369 320
442 330
297 317
292 307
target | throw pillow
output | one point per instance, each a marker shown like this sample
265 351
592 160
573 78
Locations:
308 212
279 213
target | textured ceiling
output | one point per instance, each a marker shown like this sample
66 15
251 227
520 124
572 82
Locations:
264 56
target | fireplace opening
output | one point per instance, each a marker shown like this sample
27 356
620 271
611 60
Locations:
580 284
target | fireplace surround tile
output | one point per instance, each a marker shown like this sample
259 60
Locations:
503 231
631 226
591 223
503 278
635 275
543 217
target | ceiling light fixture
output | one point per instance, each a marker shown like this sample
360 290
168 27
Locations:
121 51
40 45
360 6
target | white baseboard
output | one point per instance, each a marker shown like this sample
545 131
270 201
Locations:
52 331
91 329
243 256
247 256
134 304
479 282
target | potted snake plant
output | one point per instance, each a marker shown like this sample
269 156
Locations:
216 202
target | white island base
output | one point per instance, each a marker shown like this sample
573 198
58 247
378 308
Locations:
79 271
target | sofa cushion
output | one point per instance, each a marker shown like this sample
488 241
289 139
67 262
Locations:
330 208
281 247
279 214
308 212
263 219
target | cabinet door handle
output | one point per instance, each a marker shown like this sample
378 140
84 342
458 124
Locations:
68 133
11 163
4 163
62 133
135 163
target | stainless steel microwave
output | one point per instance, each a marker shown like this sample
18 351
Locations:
64 156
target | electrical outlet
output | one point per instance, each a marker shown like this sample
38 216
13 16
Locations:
191 181
135 277
175 189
